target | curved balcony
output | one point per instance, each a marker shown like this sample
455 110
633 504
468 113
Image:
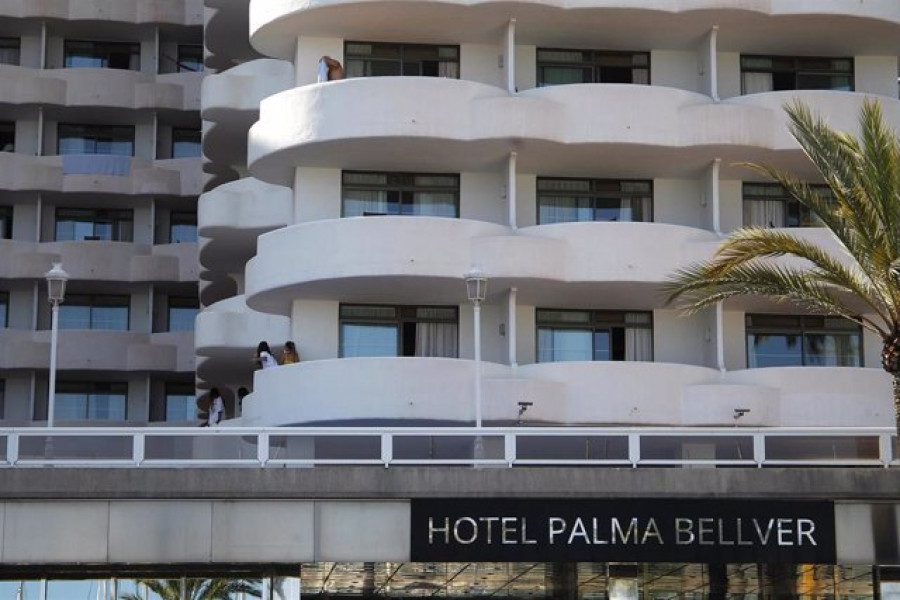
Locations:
428 391
106 88
420 256
100 260
231 105
235 214
435 124
110 350
175 12
274 27
227 333
101 174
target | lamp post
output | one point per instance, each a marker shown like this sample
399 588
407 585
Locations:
56 293
476 290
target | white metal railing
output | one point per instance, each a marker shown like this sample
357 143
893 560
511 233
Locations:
489 446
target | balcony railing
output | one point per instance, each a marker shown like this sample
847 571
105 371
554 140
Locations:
500 447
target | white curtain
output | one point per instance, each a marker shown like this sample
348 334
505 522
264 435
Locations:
437 339
764 213
638 341
640 76
757 83
449 70
365 202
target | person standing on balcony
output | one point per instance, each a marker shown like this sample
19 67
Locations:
329 69
216 408
264 358
290 355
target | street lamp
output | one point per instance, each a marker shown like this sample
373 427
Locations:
56 293
476 290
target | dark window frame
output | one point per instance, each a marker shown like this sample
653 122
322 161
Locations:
107 51
95 388
595 193
97 301
115 218
805 326
793 210
14 45
800 66
403 315
7 136
6 222
403 55
403 186
598 320
187 134
97 134
594 61
184 62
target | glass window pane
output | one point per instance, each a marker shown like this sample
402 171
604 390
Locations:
113 318
182 319
74 317
70 406
363 339
557 345
832 350
106 407
774 350
181 407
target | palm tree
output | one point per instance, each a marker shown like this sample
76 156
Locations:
863 213
197 589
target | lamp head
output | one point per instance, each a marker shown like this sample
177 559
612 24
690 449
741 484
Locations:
476 285
56 283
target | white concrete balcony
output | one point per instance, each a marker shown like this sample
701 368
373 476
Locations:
435 124
109 350
234 215
175 12
420 257
231 105
227 334
430 391
101 174
100 260
274 27
106 88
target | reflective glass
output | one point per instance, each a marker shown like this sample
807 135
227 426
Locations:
558 345
181 407
359 339
182 319
774 350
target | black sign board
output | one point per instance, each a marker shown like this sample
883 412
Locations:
630 530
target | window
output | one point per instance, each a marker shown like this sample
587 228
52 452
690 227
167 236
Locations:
572 200
77 401
81 311
182 227
182 312
6 217
181 403
185 143
769 205
368 59
10 49
102 55
564 335
190 58
777 73
95 139
562 66
7 137
73 224
808 340
378 330
420 194
4 309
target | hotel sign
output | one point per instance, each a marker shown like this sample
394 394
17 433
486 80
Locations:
638 530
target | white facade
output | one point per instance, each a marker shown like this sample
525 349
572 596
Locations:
284 257
100 168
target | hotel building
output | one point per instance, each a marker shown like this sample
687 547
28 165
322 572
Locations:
565 157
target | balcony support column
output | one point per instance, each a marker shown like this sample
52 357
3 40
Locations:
709 63
712 195
720 337
510 56
511 327
511 190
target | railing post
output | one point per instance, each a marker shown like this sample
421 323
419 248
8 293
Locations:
387 449
759 449
885 449
634 449
262 448
138 444
509 448
12 449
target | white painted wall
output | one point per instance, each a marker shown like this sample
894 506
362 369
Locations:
309 50
526 199
480 62
482 196
677 69
735 340
16 405
876 75
315 328
526 67
729 73
678 339
731 202
678 202
317 194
